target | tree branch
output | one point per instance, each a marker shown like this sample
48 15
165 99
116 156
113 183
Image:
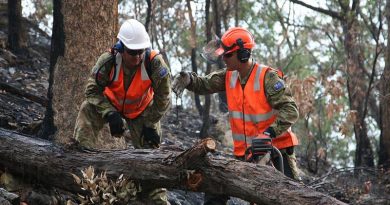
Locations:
321 10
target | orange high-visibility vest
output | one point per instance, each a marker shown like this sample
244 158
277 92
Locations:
133 101
250 114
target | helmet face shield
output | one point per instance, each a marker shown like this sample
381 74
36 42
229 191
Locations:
233 39
212 51
215 49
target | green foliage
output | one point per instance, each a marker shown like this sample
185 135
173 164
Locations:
341 150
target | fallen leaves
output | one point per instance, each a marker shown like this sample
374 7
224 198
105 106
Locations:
101 190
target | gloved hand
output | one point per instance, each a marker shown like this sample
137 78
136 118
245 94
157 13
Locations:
181 81
115 122
270 132
151 136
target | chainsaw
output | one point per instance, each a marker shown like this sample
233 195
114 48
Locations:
261 151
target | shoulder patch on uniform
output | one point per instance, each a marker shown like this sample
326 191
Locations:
156 63
278 86
163 72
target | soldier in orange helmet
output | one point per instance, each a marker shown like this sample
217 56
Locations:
258 100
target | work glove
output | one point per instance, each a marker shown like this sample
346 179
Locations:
115 122
181 81
151 136
270 132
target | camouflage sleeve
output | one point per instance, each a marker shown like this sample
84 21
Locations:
98 79
211 83
280 98
161 83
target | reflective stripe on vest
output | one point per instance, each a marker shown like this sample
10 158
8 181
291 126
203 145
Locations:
256 85
139 93
255 118
249 111
131 101
118 58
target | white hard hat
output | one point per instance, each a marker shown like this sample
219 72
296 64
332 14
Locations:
133 35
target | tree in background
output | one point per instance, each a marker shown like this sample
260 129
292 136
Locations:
204 132
384 152
57 49
148 14
193 44
16 38
317 73
85 29
218 29
356 76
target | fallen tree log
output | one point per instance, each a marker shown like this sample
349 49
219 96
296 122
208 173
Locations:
51 165
11 198
21 93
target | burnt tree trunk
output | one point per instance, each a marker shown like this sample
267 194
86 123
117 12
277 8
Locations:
356 78
40 160
57 49
217 25
384 152
148 15
89 28
356 85
204 132
15 25
193 44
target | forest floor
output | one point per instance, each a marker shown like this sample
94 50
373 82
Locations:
24 84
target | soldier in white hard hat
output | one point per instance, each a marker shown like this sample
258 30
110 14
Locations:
130 83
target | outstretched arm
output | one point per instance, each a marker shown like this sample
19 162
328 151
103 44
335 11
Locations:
211 83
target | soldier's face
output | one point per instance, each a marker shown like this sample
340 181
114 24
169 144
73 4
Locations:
133 57
231 60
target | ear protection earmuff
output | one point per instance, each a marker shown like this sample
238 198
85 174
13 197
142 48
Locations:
243 54
119 47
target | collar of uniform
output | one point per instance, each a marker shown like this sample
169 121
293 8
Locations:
245 79
129 71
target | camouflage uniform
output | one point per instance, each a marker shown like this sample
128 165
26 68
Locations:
281 100
93 110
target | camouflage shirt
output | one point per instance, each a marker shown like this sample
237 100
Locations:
160 78
278 96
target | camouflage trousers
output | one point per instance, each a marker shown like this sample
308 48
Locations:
87 131
289 163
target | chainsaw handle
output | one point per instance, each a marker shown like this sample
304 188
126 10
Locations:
280 166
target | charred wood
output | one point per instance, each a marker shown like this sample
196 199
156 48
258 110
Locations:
22 93
8 197
194 169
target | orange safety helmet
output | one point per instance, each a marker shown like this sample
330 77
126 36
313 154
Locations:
232 39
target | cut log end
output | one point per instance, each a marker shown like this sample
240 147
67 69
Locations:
210 145
194 179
